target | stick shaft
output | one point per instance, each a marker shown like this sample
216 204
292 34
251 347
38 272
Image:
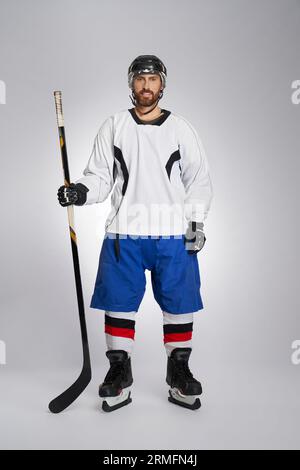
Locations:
64 157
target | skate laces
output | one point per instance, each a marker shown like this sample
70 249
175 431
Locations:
184 371
115 369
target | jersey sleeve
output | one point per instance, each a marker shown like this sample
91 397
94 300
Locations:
194 173
99 171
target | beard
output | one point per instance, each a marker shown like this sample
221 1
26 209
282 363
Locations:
146 101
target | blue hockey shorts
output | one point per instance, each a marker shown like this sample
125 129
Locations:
121 282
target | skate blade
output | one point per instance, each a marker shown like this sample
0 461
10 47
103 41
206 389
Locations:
188 401
113 403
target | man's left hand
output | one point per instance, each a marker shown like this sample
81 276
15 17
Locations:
194 237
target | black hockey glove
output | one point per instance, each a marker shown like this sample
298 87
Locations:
194 238
73 194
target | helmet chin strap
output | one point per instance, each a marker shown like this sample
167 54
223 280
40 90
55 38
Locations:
133 99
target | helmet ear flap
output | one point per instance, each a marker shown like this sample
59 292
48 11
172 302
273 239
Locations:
163 80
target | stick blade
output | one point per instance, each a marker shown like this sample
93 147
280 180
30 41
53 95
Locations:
66 398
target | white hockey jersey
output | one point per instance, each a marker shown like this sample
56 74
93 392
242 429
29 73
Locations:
158 171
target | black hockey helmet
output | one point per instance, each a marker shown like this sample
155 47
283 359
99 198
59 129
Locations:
147 64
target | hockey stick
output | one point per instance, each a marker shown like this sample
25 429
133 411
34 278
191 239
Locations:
68 396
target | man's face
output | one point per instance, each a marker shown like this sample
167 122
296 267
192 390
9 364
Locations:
146 88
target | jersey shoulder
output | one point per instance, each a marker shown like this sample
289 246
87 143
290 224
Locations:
119 118
182 122
109 124
184 127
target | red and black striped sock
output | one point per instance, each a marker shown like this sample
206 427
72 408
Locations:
178 330
120 330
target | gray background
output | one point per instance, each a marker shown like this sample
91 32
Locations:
230 68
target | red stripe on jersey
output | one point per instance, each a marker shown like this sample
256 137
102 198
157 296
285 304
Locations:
170 337
124 332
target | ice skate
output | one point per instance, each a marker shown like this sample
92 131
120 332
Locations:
116 388
185 389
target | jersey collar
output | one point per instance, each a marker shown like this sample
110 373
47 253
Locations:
156 122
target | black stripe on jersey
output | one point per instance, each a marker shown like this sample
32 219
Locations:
120 322
157 122
178 328
115 171
173 158
119 156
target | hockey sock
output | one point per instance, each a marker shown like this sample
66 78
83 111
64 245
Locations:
120 330
177 331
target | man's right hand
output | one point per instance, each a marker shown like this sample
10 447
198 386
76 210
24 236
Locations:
73 194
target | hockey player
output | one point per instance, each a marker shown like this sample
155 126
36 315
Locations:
154 161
